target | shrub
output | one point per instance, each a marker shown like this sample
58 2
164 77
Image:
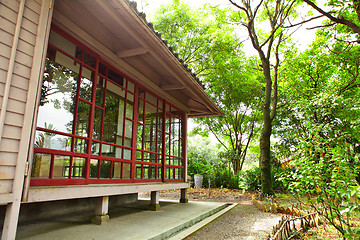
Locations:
224 178
250 179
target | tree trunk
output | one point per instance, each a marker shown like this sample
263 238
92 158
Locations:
265 160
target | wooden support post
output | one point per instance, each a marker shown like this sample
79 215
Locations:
184 197
101 210
155 201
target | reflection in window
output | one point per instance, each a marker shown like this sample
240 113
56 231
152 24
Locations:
114 114
82 121
116 170
97 124
138 171
78 167
61 166
105 169
86 83
52 140
80 145
41 165
58 93
126 170
94 168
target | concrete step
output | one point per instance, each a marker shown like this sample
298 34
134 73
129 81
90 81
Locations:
173 221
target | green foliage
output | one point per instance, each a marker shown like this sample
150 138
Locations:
324 171
321 87
250 179
224 177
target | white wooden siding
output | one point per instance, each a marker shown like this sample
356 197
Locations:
5 186
16 107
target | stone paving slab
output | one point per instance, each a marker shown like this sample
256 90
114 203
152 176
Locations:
131 222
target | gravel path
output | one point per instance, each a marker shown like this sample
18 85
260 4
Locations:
242 222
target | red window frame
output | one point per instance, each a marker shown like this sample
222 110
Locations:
88 155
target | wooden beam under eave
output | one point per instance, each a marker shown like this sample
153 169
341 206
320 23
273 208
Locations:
132 52
172 87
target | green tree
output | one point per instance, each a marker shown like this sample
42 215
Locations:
268 46
318 123
209 45
322 87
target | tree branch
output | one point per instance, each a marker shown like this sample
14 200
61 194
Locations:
341 20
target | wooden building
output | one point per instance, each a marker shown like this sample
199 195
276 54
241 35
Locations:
94 103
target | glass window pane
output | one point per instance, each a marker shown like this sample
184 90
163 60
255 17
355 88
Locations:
83 117
58 95
153 157
102 69
139 155
97 123
159 159
146 157
167 173
150 98
86 84
52 140
95 149
141 93
139 140
160 104
167 123
128 133
80 145
114 115
89 59
140 115
181 173
127 154
94 168
111 151
138 171
78 167
131 86
176 173
65 45
175 161
126 170
146 172
159 173
130 97
41 165
105 169
116 77
171 173
160 120
100 87
159 142
152 172
116 170
130 110
167 144
61 166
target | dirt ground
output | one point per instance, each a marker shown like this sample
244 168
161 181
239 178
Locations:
244 221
